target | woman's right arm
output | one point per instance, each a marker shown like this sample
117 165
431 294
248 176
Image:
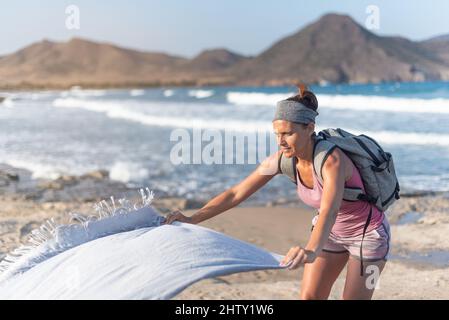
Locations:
234 195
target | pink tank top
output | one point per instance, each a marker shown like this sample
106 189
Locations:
352 216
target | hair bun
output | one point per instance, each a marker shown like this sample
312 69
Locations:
305 96
302 88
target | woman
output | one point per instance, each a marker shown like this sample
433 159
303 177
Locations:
336 236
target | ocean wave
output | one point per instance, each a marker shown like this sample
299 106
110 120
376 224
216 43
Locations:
117 110
8 103
255 98
201 94
38 170
41 95
30 95
351 102
406 138
169 93
438 183
82 93
120 171
385 104
127 172
136 92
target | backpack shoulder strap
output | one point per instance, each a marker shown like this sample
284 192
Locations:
322 149
287 166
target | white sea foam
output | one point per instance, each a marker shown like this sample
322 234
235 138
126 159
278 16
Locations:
29 95
119 110
168 93
351 102
201 94
40 95
82 93
127 171
425 182
121 170
386 104
7 103
255 98
406 138
136 92
38 169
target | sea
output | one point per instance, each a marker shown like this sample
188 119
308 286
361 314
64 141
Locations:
197 142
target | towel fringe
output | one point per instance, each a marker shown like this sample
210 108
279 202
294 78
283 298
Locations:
47 231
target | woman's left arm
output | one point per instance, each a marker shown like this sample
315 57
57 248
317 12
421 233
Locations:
333 186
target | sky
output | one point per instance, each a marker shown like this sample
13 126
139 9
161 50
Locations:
185 28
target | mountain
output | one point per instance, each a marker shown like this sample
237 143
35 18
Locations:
215 59
83 61
334 48
337 49
211 66
438 45
443 37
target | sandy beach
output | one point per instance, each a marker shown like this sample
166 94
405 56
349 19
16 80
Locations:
418 268
278 229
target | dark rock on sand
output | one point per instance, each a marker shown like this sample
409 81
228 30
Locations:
6 177
92 186
16 183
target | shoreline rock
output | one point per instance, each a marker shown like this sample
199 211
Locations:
94 186
418 222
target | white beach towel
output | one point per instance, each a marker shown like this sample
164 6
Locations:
124 253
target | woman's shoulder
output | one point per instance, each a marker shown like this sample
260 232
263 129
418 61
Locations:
275 156
271 163
338 158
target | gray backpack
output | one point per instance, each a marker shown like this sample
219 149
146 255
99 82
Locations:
375 166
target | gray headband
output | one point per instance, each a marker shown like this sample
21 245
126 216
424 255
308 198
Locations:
294 112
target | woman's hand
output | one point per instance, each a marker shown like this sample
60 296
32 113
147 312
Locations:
296 256
177 216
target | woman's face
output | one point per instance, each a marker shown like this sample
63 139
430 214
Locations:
292 138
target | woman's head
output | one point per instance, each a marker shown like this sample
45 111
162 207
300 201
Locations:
294 121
